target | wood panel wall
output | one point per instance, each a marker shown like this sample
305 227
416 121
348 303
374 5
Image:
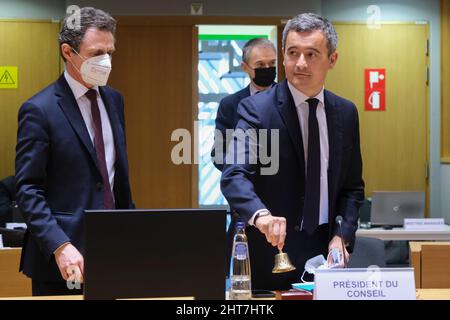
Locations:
32 46
152 68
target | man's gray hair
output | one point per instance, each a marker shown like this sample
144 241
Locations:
255 42
88 18
307 22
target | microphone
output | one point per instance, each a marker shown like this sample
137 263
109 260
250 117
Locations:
339 220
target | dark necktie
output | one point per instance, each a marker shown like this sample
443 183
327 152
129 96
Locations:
312 186
108 201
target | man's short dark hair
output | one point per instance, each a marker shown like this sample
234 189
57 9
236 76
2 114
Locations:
89 17
307 22
255 42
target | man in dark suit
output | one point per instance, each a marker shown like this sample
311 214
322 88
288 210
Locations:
319 167
259 62
71 155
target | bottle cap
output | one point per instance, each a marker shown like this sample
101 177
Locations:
240 225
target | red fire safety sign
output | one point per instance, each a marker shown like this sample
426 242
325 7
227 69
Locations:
375 89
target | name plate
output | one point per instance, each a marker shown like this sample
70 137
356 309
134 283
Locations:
365 284
424 224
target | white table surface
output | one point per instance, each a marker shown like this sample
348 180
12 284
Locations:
442 234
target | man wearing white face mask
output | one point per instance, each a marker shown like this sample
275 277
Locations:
71 155
95 71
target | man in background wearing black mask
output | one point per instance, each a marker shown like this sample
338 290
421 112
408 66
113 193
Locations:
258 61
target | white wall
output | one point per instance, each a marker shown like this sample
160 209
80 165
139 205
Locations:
29 9
411 10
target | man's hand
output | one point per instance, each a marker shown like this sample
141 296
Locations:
274 228
70 262
336 242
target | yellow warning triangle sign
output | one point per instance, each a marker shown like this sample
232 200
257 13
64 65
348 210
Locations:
9 77
6 78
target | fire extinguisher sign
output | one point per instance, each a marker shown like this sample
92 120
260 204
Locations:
375 89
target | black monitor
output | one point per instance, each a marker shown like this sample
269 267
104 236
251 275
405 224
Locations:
155 253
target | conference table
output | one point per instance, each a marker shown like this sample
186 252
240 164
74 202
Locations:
441 234
421 294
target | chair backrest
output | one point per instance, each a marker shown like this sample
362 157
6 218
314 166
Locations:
9 184
12 238
364 211
367 252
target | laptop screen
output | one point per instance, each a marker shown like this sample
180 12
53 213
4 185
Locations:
155 253
390 208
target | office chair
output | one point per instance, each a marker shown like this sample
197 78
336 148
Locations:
367 252
12 238
364 211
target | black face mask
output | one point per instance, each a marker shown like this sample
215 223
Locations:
264 77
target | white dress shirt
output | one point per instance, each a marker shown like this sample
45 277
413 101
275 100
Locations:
84 104
253 89
303 114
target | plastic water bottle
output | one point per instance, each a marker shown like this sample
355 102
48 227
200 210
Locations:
240 287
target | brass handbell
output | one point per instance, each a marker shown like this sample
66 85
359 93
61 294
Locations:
282 263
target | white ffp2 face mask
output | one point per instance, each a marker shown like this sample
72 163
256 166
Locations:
95 71
319 262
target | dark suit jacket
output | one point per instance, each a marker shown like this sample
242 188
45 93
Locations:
57 176
283 193
227 118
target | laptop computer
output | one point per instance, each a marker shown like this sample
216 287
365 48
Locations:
155 254
389 208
